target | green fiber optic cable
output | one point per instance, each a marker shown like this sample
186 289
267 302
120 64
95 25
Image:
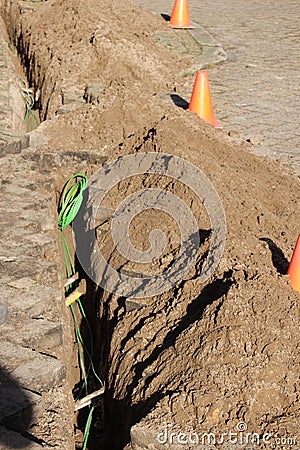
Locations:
71 200
70 203
88 427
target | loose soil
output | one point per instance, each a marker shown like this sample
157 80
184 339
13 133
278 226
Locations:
201 357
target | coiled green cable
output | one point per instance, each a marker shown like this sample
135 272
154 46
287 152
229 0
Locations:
71 200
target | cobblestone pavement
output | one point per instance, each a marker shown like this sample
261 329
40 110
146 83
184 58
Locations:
32 375
255 91
30 326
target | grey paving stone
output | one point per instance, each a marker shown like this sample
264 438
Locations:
15 190
42 271
38 334
11 355
40 239
22 283
18 407
34 301
40 374
13 144
11 439
30 369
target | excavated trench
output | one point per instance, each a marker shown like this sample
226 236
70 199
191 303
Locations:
101 316
198 356
123 403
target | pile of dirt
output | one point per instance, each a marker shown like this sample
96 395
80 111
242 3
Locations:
103 53
202 357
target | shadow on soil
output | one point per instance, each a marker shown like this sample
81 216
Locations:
279 261
179 101
167 17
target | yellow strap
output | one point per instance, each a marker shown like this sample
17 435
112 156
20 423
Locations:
73 297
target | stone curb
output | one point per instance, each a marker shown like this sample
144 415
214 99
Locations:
205 50
212 52
32 303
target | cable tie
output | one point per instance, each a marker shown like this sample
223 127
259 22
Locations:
73 297
71 279
85 401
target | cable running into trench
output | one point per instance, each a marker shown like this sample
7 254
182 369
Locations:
70 202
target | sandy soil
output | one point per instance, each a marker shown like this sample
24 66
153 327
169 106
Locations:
200 357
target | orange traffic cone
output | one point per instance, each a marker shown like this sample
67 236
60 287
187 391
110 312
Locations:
294 267
201 102
180 17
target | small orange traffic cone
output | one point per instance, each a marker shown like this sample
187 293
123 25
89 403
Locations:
180 17
201 102
294 267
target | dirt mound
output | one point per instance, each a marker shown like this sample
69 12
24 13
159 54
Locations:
107 45
205 357
201 357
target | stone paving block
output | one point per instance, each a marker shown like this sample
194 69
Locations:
30 369
13 144
22 283
11 439
11 355
33 301
206 51
42 222
15 234
15 190
180 41
40 239
38 334
19 407
46 273
32 265
5 279
22 237
40 374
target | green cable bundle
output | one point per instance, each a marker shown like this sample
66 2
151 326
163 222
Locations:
71 199
69 205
